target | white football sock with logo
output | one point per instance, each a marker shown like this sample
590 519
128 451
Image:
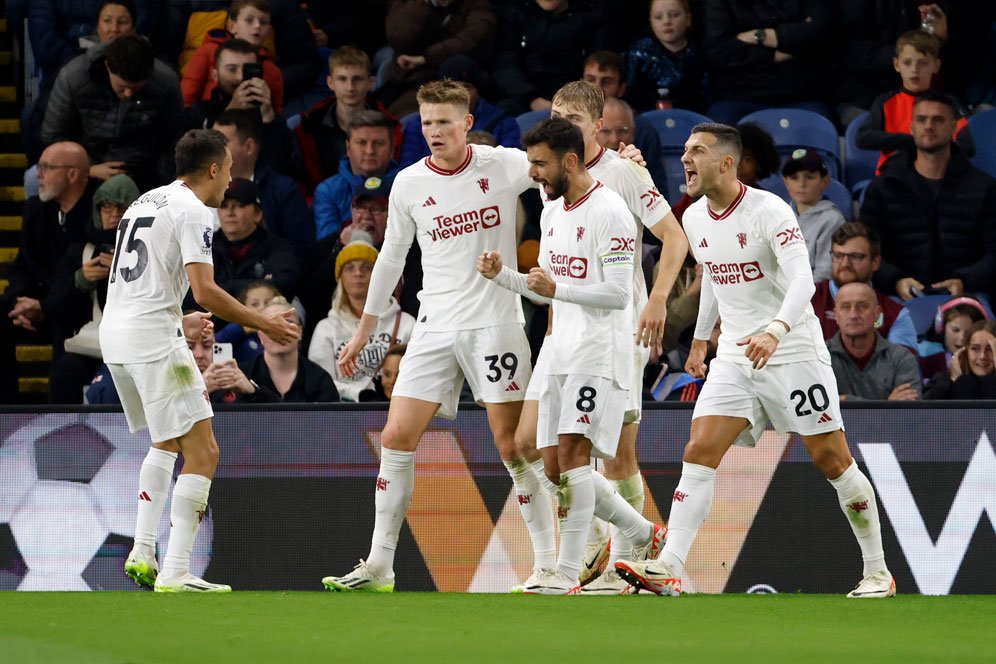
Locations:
153 487
576 501
392 497
190 496
537 511
689 508
857 500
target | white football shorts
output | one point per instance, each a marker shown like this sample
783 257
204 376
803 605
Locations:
588 405
167 395
494 360
798 397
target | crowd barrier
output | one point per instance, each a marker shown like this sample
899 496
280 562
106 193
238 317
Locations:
293 501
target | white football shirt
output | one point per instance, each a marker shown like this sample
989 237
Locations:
578 242
161 232
456 216
740 250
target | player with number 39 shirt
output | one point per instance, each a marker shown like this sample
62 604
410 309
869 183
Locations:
164 246
772 363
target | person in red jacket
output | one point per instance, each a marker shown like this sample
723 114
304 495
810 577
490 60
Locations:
248 20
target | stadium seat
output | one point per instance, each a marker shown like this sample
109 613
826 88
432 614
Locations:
983 128
859 165
836 192
405 119
529 119
793 128
673 126
923 309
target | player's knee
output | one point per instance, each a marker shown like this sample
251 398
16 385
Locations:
699 453
397 438
525 441
552 474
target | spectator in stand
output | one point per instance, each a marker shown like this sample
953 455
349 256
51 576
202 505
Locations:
123 106
321 134
806 178
58 28
389 370
423 35
770 54
935 211
295 50
855 254
245 251
284 208
487 116
918 61
947 335
79 291
865 48
542 44
866 365
282 373
971 373
619 128
53 220
366 168
115 18
665 70
248 20
353 267
244 340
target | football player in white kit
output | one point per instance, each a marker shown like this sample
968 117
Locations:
586 270
164 246
772 363
581 104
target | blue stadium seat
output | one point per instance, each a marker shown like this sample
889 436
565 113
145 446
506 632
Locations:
529 119
835 191
859 165
983 128
923 309
673 126
793 128
405 119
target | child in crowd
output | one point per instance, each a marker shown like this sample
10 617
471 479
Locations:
806 178
245 341
947 335
248 20
971 373
664 70
887 129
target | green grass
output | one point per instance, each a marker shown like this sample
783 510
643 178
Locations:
406 627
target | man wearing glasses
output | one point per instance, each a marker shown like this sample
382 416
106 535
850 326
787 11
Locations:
855 254
53 220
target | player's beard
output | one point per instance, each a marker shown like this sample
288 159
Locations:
558 186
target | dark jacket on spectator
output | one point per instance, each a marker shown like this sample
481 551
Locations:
968 386
748 72
237 264
284 208
312 383
890 366
140 131
539 51
931 240
56 26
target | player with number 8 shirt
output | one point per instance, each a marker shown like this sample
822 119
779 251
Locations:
772 363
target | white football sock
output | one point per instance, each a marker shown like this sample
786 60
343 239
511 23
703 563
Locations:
857 500
576 500
153 487
537 511
190 496
392 497
631 489
689 508
540 472
629 527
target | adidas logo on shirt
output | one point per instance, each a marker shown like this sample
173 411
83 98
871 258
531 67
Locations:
429 202
512 387
584 419
824 418
703 244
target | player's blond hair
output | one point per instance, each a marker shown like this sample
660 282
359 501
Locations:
444 92
583 96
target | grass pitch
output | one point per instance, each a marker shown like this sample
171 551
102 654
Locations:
434 627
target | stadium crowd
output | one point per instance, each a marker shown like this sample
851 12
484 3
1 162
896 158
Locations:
317 101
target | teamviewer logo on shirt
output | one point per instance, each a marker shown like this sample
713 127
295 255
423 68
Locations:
562 265
465 223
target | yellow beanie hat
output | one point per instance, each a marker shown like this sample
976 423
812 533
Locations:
357 250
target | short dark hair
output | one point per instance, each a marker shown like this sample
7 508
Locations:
940 98
557 134
198 149
131 57
371 119
127 4
727 137
759 143
238 5
853 229
606 60
246 122
235 46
